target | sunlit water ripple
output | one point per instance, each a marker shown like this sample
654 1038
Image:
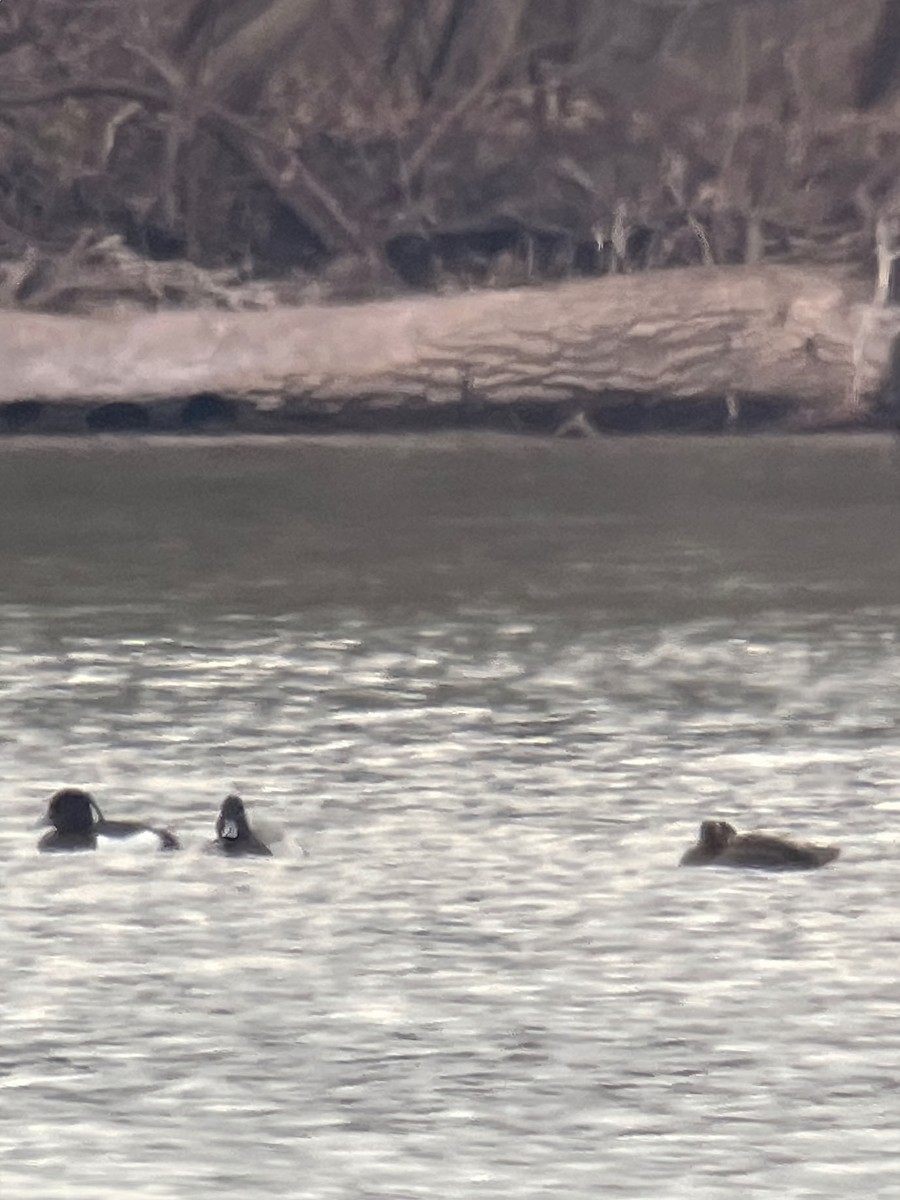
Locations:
472 967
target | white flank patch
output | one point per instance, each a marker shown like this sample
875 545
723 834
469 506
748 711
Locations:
136 843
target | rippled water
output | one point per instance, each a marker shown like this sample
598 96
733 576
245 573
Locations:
477 694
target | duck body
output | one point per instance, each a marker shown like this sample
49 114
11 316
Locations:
720 845
126 829
234 837
78 823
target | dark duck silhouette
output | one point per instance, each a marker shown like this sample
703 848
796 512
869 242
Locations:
233 833
720 845
78 823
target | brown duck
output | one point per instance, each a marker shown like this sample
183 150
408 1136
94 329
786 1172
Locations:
720 844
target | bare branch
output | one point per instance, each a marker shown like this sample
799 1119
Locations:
498 40
247 145
122 88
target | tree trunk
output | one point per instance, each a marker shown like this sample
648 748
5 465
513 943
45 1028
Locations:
238 44
806 336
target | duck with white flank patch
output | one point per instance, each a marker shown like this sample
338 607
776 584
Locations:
78 824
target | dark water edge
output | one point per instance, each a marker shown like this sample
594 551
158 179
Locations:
616 413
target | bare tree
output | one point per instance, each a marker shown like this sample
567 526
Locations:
282 133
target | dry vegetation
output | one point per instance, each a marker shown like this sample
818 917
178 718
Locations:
245 151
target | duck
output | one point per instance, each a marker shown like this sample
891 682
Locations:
233 833
78 822
720 844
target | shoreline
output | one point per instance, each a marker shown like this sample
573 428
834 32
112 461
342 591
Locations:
450 441
688 350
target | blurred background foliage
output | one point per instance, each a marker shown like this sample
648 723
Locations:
435 143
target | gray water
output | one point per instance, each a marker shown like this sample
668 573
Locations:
478 694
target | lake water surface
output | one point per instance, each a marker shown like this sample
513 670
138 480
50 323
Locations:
478 693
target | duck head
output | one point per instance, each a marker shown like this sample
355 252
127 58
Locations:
715 836
233 832
232 824
714 839
71 811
